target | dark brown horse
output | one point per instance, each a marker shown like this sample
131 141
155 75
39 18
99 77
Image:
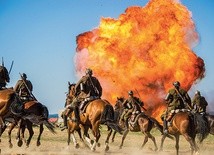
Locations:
34 112
184 123
97 112
142 123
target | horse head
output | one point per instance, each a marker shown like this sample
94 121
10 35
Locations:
119 103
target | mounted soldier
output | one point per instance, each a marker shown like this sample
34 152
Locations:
177 98
87 89
24 89
199 103
4 77
132 105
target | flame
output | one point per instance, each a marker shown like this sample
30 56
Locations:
145 50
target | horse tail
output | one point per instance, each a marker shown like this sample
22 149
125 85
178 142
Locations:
45 121
202 126
108 118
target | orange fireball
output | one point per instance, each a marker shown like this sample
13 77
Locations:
145 50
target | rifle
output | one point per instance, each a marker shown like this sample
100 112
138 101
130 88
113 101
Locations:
2 61
28 88
139 97
11 66
95 88
185 103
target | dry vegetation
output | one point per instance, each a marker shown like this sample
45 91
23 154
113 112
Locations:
57 144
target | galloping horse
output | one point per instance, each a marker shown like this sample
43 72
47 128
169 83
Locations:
97 112
184 123
35 112
142 123
7 98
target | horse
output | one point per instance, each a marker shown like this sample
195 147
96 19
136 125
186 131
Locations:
187 124
97 112
35 114
142 123
8 98
207 120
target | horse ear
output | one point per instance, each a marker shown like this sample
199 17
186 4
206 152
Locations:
117 98
69 83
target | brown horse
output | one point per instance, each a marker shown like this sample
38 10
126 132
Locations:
184 123
142 123
37 114
97 112
34 112
8 97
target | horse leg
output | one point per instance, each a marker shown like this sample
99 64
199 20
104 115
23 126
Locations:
107 139
153 139
123 138
2 129
177 144
96 133
145 140
162 141
30 130
41 129
113 136
76 145
192 143
19 138
9 134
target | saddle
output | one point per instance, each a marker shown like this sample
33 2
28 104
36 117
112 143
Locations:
172 113
86 102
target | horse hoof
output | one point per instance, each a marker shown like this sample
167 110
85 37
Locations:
77 146
10 146
120 147
107 148
19 143
98 144
38 144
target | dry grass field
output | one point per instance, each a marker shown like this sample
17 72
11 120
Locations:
57 145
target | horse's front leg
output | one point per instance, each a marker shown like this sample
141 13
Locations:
31 132
123 138
41 129
162 141
113 136
9 134
20 129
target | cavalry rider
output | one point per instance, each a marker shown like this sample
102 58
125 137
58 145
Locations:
4 77
131 105
177 98
24 88
199 103
87 89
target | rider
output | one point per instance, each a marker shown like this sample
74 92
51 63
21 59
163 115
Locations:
177 98
24 88
199 103
4 77
87 89
131 105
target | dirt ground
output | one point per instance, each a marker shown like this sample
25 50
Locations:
57 145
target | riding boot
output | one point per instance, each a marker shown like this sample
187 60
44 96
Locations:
165 127
65 119
76 114
126 124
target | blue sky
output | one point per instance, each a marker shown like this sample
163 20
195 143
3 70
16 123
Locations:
40 36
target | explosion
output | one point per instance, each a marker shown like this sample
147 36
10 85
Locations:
145 50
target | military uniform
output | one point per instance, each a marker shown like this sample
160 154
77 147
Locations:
131 105
199 103
88 88
21 89
4 77
177 98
